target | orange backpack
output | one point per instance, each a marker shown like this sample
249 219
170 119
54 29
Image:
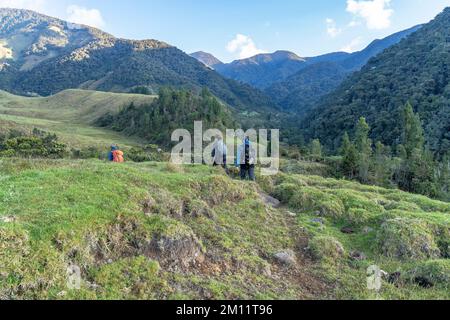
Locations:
118 156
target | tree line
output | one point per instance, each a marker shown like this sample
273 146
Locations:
410 166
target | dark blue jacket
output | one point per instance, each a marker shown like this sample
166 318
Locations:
110 154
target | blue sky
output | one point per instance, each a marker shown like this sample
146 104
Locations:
232 29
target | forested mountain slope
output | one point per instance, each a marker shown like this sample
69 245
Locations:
415 70
43 55
321 75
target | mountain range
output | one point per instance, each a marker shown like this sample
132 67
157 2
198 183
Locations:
416 70
296 83
207 59
323 96
41 55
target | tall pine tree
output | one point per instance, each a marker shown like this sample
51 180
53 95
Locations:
349 157
417 170
364 148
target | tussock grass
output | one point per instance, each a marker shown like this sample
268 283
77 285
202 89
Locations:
141 231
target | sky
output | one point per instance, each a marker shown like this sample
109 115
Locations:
237 29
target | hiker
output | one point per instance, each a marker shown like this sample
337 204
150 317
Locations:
246 160
219 153
115 155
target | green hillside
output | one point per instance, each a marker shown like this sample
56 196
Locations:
46 55
415 70
301 91
164 232
70 114
173 109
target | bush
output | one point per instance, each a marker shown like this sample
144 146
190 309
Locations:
285 191
148 153
405 238
315 200
88 153
435 272
326 248
219 189
37 144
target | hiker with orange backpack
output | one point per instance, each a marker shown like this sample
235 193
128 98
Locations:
115 155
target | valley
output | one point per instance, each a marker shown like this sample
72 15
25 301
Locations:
362 196
71 115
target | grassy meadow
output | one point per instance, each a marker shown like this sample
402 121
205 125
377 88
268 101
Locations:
155 230
159 231
70 114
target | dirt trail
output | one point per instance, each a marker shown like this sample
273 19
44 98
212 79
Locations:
301 275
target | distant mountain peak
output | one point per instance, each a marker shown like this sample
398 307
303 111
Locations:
206 58
266 58
42 55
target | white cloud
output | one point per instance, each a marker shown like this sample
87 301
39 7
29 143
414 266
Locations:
353 46
332 30
81 15
353 24
376 13
243 46
36 5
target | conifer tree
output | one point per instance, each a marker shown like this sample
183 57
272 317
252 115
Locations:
316 149
349 157
364 148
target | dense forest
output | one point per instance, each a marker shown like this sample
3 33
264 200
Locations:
300 92
174 109
415 70
319 76
410 166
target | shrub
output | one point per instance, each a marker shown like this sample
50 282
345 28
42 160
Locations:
88 153
405 238
435 272
326 248
148 153
218 189
285 191
37 144
312 199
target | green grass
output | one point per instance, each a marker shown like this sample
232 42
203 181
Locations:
216 237
70 114
80 106
91 213
395 230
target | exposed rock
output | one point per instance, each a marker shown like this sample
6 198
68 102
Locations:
286 258
269 201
